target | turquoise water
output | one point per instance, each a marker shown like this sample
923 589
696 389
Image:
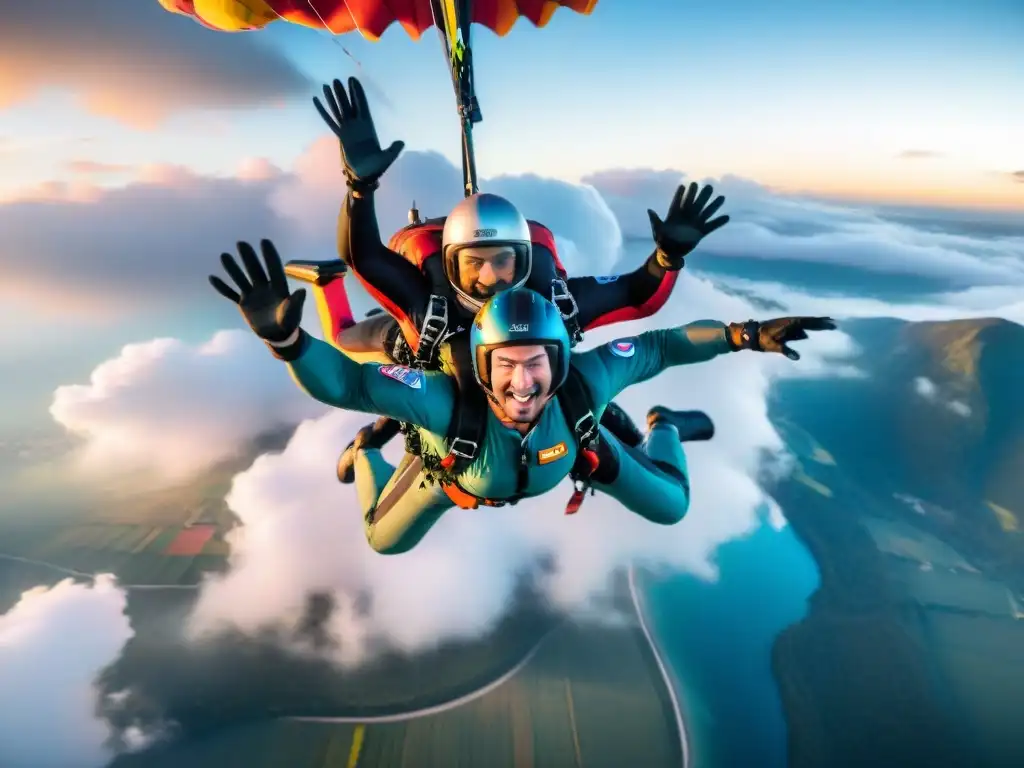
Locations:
717 639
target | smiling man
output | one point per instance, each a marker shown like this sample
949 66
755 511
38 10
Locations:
545 404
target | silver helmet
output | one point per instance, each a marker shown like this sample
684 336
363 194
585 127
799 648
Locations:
486 248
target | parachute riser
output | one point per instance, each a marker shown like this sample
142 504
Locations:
453 20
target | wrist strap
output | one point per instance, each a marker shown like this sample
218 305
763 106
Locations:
360 186
291 348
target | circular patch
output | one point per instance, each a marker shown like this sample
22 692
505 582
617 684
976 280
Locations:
622 348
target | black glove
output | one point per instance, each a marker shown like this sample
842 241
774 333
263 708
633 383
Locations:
687 223
350 120
775 335
264 301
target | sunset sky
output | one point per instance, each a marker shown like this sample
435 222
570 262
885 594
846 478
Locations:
916 101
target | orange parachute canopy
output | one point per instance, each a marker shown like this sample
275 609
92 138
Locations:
369 17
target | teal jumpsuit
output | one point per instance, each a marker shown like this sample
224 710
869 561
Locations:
427 400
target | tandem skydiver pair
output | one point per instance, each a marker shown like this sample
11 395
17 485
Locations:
436 274
518 353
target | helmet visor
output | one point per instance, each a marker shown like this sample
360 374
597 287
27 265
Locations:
480 271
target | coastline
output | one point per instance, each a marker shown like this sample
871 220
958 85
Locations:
684 740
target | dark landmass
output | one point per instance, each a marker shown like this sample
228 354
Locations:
875 673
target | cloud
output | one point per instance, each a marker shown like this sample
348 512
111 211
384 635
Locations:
984 301
302 531
918 154
1017 176
55 643
135 62
769 225
151 243
167 410
93 168
146 244
929 390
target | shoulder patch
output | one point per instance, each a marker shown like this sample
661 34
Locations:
622 348
607 279
554 453
409 376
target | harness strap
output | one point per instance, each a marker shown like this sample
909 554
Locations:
567 307
435 323
576 402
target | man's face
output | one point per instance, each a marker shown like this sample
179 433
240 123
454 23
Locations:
486 270
521 381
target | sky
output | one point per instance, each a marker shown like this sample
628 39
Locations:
910 102
136 145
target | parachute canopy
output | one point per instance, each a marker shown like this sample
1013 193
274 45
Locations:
368 17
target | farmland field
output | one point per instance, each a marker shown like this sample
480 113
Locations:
590 697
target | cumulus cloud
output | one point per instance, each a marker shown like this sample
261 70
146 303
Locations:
55 643
164 409
302 531
134 61
929 390
769 225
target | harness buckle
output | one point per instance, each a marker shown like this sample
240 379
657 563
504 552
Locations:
434 325
586 429
469 453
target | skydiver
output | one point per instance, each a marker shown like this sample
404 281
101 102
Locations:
521 357
486 246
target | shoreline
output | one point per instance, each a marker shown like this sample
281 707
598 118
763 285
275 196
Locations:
684 741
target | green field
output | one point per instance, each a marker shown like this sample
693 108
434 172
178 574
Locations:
590 697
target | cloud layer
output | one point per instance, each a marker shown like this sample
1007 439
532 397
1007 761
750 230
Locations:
167 409
771 226
135 62
55 643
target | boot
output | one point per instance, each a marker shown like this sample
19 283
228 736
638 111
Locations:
618 422
374 435
691 425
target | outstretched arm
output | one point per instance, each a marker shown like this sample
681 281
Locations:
622 363
400 287
621 298
424 399
262 296
396 284
612 367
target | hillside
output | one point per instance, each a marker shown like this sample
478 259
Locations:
908 494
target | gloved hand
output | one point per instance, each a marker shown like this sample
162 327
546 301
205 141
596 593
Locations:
361 155
775 335
687 223
263 299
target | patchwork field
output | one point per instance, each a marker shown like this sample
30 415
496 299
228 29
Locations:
590 697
